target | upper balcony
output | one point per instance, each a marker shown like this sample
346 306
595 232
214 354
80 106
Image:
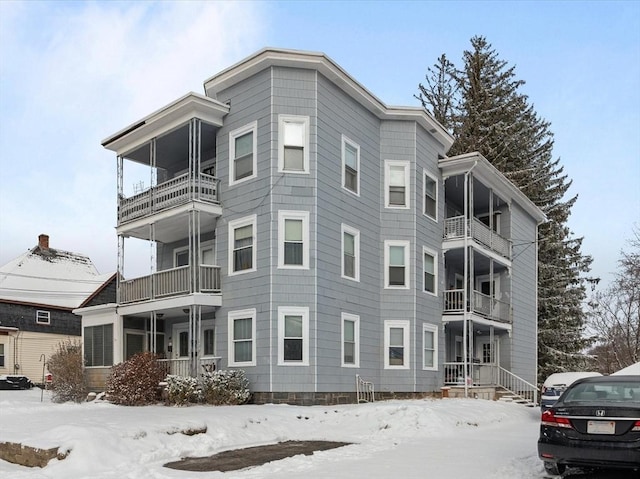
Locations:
175 192
456 227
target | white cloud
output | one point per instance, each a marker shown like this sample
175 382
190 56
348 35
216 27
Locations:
74 73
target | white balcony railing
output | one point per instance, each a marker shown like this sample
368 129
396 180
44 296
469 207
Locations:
171 282
183 366
176 191
480 304
454 228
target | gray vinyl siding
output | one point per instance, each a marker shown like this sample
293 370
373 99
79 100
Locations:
340 115
429 235
523 281
294 93
250 101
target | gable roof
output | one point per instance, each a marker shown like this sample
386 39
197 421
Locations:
49 277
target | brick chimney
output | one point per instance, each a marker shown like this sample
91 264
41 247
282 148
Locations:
43 242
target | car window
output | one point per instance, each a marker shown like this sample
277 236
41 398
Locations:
611 392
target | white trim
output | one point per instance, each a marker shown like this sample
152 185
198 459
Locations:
356 339
231 317
232 226
352 143
388 325
356 246
433 254
425 174
44 318
407 264
304 121
407 184
434 330
303 216
176 251
251 127
293 311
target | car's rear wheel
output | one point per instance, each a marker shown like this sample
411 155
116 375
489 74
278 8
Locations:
553 468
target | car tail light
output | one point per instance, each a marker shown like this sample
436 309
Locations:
636 426
550 419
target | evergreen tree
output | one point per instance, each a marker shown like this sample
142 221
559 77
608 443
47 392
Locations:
482 106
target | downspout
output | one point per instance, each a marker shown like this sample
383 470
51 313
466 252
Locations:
465 293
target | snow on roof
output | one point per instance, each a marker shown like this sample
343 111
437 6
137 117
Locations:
633 370
51 277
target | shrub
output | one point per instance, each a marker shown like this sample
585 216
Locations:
135 381
66 367
225 387
182 390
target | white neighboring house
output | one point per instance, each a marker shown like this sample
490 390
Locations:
38 291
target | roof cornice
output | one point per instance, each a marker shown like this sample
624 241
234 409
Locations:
491 177
269 57
176 113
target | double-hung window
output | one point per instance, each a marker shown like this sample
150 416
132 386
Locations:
350 165
396 269
293 335
430 345
293 154
98 345
396 184
242 338
430 196
242 153
242 245
209 341
350 340
429 268
350 253
2 353
293 232
43 317
396 344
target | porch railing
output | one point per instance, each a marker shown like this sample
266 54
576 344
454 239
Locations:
481 304
171 282
454 228
517 385
178 190
183 366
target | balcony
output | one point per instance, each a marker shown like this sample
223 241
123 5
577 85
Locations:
480 304
454 228
167 283
177 191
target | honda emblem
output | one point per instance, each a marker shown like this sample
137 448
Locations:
600 412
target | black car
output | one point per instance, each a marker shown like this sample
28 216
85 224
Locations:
595 423
15 382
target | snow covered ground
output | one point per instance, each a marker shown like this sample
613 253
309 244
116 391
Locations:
448 438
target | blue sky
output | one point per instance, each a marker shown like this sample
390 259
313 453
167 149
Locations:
73 73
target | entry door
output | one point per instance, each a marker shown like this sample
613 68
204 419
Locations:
134 344
180 341
487 353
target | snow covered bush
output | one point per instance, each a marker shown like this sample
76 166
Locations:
182 390
66 367
135 381
225 387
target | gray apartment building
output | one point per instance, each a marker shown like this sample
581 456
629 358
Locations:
296 227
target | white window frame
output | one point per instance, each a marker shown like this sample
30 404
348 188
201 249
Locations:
233 225
433 254
432 329
303 216
345 141
424 194
250 128
356 246
176 252
241 314
407 264
43 317
304 121
387 183
203 246
392 324
284 311
3 355
356 338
